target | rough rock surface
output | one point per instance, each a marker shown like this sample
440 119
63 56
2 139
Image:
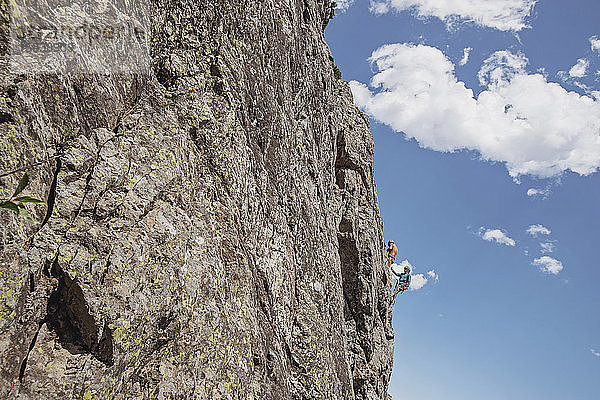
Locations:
210 227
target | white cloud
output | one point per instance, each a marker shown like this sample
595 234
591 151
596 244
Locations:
433 275
534 126
496 235
417 281
538 192
548 265
465 58
595 43
535 230
500 68
594 352
547 247
579 70
343 5
505 15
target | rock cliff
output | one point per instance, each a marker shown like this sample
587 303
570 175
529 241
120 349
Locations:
210 226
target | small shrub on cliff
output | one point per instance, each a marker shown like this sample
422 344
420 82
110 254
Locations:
17 204
336 72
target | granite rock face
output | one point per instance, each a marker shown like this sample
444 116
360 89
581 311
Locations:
210 226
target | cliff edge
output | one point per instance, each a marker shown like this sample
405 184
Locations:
210 226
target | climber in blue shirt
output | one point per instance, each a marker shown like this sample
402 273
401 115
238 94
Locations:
402 280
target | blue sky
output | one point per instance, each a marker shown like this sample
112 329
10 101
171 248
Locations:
469 156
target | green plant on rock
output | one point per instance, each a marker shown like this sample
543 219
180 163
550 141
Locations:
336 72
17 203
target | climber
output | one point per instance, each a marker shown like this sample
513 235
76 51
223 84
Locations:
402 280
392 250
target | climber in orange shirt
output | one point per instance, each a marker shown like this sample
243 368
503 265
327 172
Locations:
392 251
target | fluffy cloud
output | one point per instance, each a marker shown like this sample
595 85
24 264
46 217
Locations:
548 265
547 247
534 126
500 69
496 235
343 5
535 230
465 58
505 15
433 275
417 281
532 192
579 70
594 352
595 43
